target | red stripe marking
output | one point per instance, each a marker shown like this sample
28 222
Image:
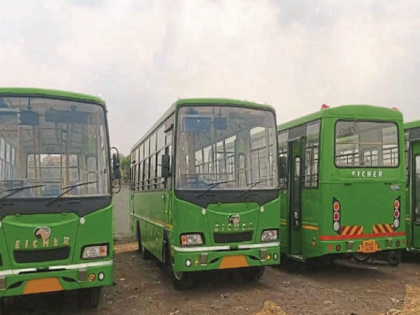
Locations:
359 227
343 237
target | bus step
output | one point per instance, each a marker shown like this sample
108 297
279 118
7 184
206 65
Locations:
296 257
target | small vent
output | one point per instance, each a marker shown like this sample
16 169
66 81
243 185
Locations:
233 237
34 256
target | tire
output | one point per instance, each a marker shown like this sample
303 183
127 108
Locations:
138 236
252 274
394 258
89 298
146 254
360 257
181 281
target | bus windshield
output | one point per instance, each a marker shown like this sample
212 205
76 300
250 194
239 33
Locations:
366 144
225 147
52 144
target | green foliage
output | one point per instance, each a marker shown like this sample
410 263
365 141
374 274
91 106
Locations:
125 168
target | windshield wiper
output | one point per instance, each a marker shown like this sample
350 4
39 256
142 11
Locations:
69 188
14 191
213 186
253 185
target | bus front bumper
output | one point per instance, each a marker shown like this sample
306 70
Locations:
26 281
223 257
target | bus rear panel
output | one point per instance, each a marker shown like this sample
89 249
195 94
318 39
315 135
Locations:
346 192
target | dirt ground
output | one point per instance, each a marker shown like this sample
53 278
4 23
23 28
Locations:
141 288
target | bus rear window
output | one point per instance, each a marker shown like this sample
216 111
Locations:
366 144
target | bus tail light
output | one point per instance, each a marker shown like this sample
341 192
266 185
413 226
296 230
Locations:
397 213
336 215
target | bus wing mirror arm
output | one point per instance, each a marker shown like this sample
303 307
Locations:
116 170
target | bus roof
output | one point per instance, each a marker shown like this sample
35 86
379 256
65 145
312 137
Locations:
15 91
412 124
350 111
216 101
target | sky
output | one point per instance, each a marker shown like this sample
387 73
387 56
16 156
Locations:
141 56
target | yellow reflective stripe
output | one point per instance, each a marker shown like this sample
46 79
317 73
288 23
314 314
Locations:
310 227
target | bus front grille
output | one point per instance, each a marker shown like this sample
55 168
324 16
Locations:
233 237
35 256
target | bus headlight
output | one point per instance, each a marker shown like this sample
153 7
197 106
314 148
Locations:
191 239
269 235
97 251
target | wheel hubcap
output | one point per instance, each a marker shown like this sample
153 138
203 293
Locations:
178 275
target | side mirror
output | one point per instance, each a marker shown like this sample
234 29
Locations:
165 164
283 167
116 171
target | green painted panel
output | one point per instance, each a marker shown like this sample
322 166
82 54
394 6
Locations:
151 210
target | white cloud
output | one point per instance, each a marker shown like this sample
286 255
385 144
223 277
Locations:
140 56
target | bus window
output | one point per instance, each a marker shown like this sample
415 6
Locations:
283 146
366 144
312 155
233 142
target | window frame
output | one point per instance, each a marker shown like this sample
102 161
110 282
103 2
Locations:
369 166
293 133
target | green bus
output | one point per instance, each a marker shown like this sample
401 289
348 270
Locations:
56 217
412 138
204 194
341 184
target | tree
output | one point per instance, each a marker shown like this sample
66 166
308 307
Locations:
125 168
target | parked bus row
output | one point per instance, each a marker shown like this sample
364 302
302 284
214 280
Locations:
214 187
214 184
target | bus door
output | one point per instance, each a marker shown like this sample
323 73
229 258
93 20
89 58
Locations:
295 196
415 192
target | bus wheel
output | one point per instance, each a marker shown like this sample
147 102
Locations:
138 235
182 281
252 274
89 298
394 258
146 254
360 257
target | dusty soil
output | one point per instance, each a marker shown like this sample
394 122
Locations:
141 288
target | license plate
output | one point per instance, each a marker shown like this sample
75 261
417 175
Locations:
42 286
368 247
229 262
